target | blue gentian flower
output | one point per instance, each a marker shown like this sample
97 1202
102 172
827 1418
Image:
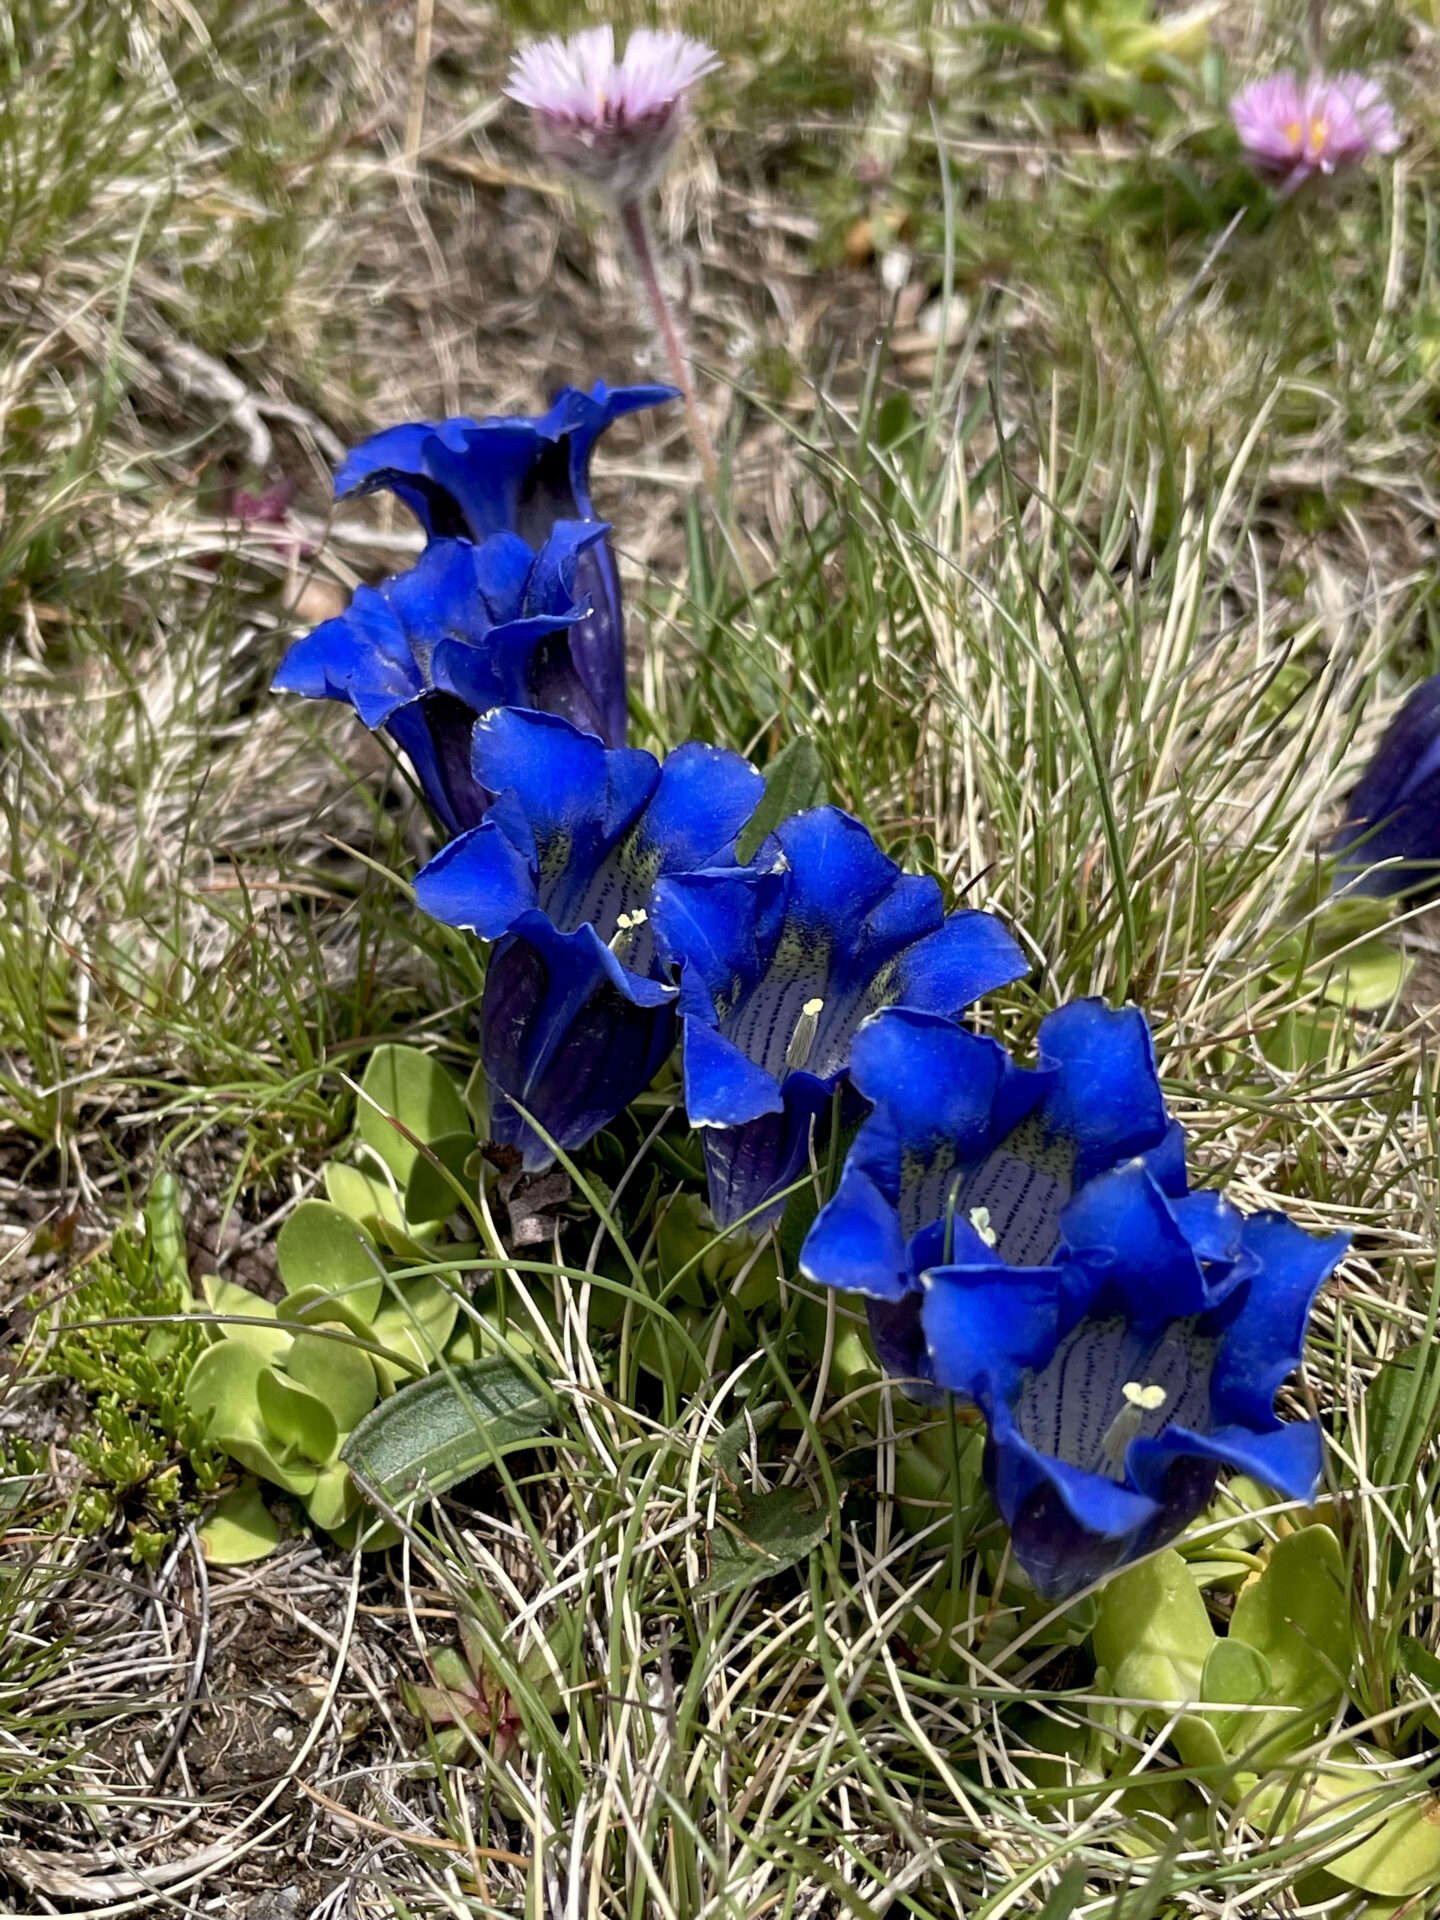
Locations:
576 1018
1394 812
960 1135
1124 1338
780 962
471 479
1118 1381
468 628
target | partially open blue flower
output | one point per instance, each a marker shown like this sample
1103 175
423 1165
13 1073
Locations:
780 962
575 1019
963 1144
1116 1382
1027 1239
466 629
1394 812
470 479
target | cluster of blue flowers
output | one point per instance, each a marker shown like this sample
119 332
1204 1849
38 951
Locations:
1022 1238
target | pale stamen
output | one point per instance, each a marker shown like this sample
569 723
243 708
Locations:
627 925
1139 1400
803 1038
980 1220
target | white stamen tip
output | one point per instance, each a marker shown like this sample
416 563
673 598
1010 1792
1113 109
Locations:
811 1007
1148 1399
980 1220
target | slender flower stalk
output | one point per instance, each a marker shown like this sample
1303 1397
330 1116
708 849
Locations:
612 124
635 225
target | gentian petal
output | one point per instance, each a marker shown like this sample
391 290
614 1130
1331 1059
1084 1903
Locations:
514 475
985 1325
856 1244
939 1083
898 1337
360 656
434 732
1265 1337
722 1087
1068 1528
481 881
576 796
1106 1098
969 956
1121 1228
717 927
703 798
1167 1162
755 1162
1288 1459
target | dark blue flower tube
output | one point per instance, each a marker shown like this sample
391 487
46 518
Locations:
576 1018
470 479
780 962
466 629
1027 1240
1394 813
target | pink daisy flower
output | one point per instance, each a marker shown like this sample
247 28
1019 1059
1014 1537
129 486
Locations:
611 122
1297 127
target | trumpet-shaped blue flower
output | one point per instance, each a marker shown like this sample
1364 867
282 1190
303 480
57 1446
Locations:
575 1020
963 1147
1027 1240
471 479
1116 1382
1394 813
780 962
466 629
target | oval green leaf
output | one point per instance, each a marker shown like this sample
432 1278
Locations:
445 1428
403 1084
319 1246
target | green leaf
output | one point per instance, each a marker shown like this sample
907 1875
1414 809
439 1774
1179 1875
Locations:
334 1497
362 1195
316 1307
223 1389
1402 1858
165 1230
319 1246
794 780
1297 1617
778 1529
1153 1634
241 1529
336 1373
296 1418
1366 979
1236 1675
224 1297
415 1322
742 1434
429 1196
1397 1858
1400 1407
417 1091
443 1429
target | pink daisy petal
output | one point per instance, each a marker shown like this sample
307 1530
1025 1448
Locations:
611 123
